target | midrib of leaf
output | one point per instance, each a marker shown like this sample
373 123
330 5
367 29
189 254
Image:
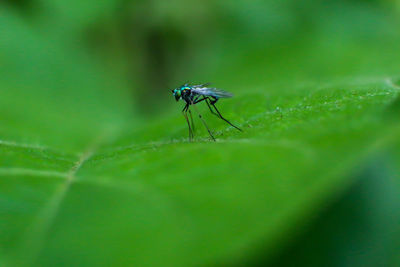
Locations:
34 239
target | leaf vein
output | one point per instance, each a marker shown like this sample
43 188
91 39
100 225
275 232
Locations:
37 233
31 172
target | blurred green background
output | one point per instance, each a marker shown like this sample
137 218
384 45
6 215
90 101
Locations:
96 168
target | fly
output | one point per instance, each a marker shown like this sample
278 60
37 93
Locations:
193 94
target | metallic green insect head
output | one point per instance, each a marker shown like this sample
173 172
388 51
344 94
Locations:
177 94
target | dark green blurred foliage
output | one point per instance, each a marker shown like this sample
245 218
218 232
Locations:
94 164
358 229
157 45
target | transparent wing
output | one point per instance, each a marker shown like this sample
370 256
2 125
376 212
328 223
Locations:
210 91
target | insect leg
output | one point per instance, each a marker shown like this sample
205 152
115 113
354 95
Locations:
195 99
184 112
185 107
205 124
191 127
191 119
199 100
207 99
220 116
209 107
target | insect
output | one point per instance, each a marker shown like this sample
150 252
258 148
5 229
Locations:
193 94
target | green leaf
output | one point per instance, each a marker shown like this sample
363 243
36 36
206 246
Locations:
174 203
86 182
